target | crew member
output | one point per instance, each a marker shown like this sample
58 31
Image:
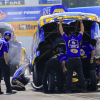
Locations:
24 55
73 43
14 54
55 63
88 62
19 80
4 61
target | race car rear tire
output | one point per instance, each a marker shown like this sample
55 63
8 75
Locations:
36 79
93 80
51 82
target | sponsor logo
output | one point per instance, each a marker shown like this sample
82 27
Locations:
2 15
74 50
46 11
24 27
74 79
74 73
58 11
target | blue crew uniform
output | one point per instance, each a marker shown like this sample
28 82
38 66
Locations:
55 64
73 45
19 80
19 74
86 49
4 46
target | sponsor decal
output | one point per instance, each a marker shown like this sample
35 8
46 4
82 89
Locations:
85 17
2 15
74 50
74 79
58 11
74 73
82 52
46 11
25 28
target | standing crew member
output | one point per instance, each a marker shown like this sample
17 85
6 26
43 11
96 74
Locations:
88 62
55 63
4 61
24 54
73 44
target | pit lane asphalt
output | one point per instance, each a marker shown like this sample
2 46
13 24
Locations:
32 94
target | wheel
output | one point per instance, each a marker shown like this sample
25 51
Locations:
51 82
93 84
36 79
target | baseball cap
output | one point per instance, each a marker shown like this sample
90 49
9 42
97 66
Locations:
7 33
60 50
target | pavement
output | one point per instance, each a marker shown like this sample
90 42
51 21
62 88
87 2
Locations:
32 94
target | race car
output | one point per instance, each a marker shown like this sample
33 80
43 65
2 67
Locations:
48 36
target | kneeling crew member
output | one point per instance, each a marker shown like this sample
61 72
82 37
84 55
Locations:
73 44
88 58
55 63
19 80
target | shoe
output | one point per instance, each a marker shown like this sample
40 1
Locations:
1 92
11 92
67 91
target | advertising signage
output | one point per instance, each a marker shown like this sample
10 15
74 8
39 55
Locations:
11 2
23 13
49 2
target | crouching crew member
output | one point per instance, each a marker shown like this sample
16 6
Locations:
4 46
73 45
87 58
55 63
19 80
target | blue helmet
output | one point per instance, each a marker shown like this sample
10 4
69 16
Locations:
7 33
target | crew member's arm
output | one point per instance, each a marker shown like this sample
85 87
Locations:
60 27
63 66
92 56
5 49
81 26
6 57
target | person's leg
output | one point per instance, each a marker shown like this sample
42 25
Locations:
70 66
17 85
6 73
0 80
47 70
80 74
85 67
59 70
25 80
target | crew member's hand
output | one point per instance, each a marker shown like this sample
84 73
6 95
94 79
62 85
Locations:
91 61
64 70
80 19
61 20
97 77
